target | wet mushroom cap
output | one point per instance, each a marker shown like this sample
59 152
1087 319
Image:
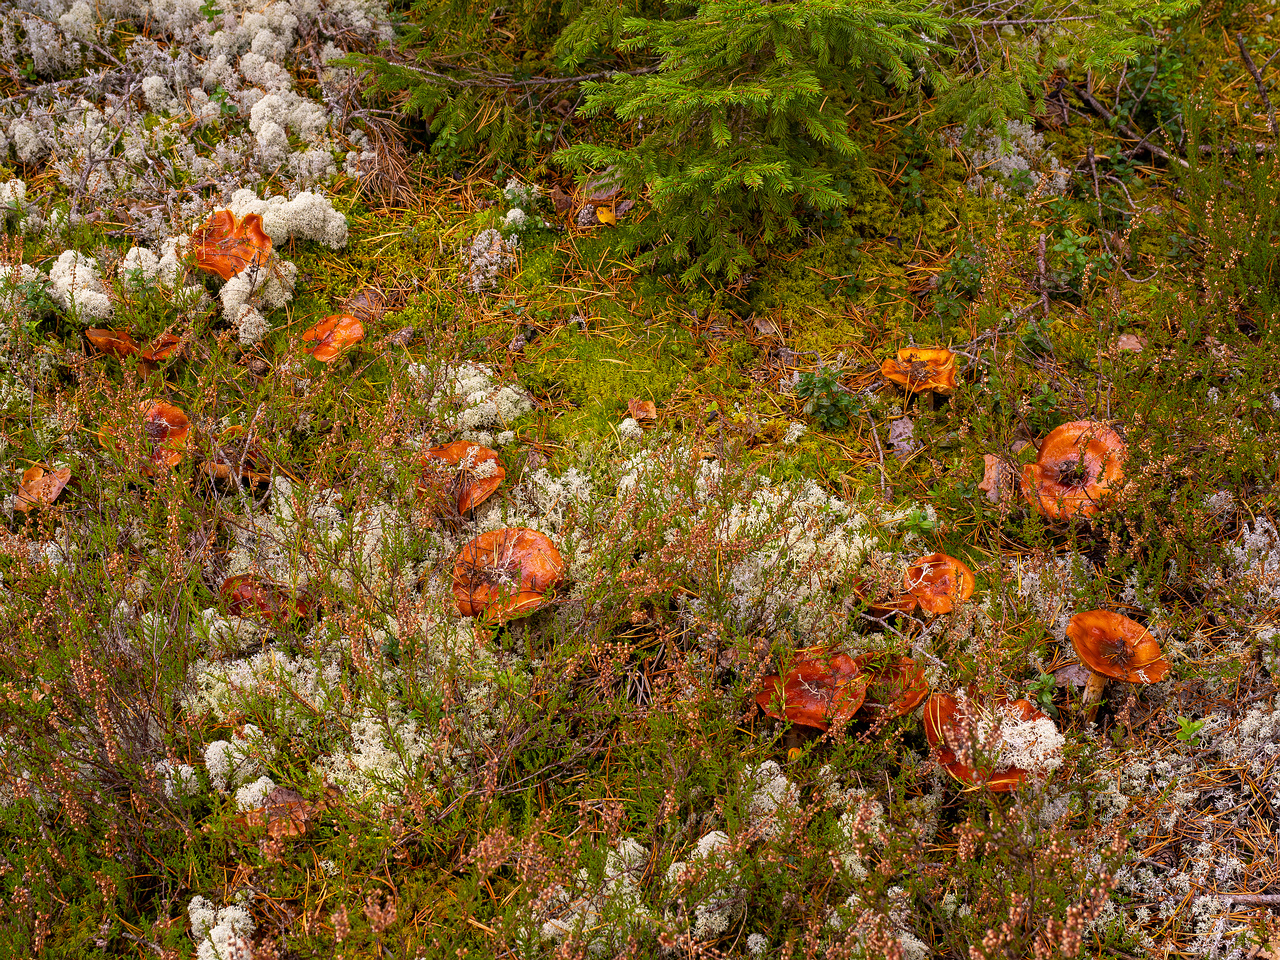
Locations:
335 334
227 245
166 428
1075 468
114 343
257 598
939 582
1111 644
943 723
40 487
922 368
815 693
508 573
467 472
896 685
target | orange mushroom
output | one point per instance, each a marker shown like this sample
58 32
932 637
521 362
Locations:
227 244
922 368
1114 647
114 343
162 348
895 687
1076 466
815 693
952 727
466 473
40 487
505 574
335 334
255 597
939 582
166 427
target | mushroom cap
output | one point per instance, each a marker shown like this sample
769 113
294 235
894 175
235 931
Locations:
815 693
505 574
335 334
226 244
40 487
163 347
1111 644
230 455
895 686
922 368
944 723
477 475
114 343
1052 484
258 598
166 428
879 603
939 582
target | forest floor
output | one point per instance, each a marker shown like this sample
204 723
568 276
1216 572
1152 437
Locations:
280 681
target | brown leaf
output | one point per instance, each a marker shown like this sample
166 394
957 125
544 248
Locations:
162 348
366 305
1130 341
601 188
39 488
261 599
287 813
562 201
642 410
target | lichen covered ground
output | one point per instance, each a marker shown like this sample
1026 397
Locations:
242 716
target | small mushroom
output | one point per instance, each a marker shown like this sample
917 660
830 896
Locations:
939 582
335 334
258 598
40 487
232 455
505 574
1077 464
227 244
896 685
815 693
1114 647
918 369
465 473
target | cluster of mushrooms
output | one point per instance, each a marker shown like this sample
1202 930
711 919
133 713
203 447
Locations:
1076 466
509 573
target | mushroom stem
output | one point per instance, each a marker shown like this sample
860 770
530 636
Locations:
1093 688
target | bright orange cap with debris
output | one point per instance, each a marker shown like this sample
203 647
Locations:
464 473
922 368
816 693
1076 466
895 687
939 582
335 334
505 574
1111 644
226 244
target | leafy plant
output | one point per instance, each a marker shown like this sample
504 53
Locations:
827 403
1189 730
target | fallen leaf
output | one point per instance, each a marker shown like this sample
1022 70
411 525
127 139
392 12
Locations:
163 348
40 487
366 305
902 434
602 188
562 201
642 410
288 813
1130 341
764 326
258 598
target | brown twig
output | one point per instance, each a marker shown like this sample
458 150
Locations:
1143 143
1252 899
1257 79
